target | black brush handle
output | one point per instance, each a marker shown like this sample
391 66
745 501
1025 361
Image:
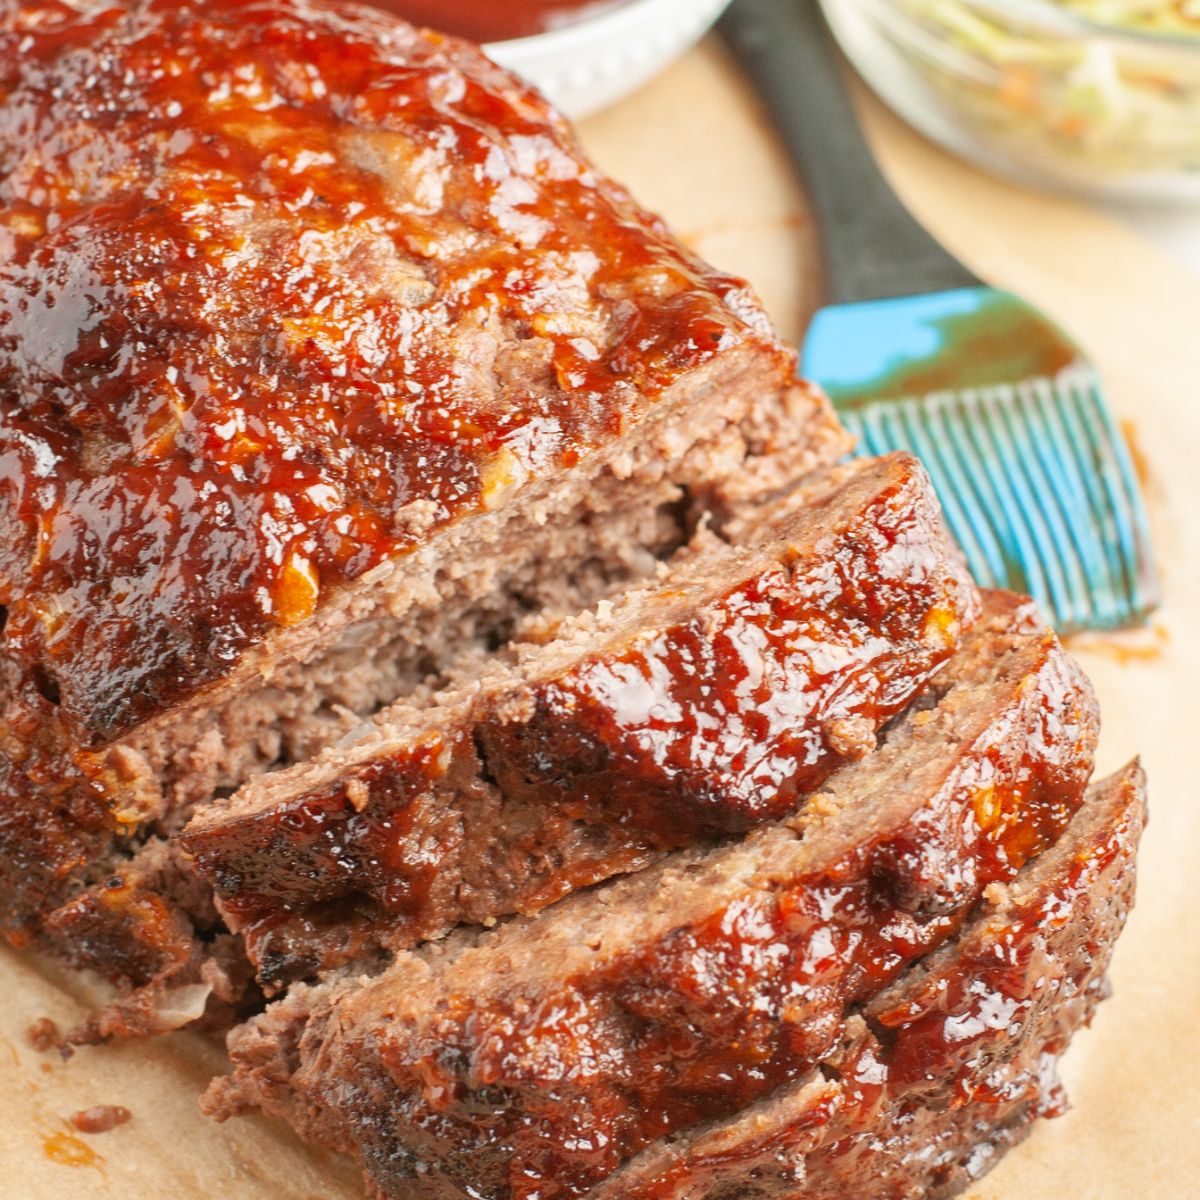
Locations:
874 249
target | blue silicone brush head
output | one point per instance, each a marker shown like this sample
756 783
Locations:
1010 420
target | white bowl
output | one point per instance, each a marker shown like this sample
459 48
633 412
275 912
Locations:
585 67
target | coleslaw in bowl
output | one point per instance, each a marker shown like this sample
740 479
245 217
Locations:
1100 96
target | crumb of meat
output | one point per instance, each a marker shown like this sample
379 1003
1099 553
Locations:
820 804
357 793
44 1035
851 737
101 1118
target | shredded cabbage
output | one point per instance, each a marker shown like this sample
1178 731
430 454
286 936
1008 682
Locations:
1041 91
1156 16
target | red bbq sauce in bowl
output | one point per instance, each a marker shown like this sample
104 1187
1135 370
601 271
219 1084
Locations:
496 20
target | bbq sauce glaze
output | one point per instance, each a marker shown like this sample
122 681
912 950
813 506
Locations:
982 1029
546 1097
716 716
281 299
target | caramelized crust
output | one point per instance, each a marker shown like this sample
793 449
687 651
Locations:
535 1060
286 289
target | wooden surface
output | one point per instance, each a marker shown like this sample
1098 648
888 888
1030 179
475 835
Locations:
694 147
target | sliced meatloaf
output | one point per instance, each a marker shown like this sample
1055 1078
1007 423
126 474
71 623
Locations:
537 1058
323 352
949 1065
706 703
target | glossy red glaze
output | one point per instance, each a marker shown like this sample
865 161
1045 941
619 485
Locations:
717 1015
726 716
321 848
957 1013
496 20
975 1030
283 291
714 702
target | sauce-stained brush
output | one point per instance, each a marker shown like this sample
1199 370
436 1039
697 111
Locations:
917 353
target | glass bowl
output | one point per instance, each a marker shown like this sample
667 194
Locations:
1032 89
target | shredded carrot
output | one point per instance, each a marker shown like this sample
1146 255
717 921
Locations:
1018 89
1072 125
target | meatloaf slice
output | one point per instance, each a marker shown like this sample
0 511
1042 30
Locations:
322 350
540 1056
708 702
949 1065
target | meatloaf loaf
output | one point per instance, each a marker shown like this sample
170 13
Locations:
323 352
537 1058
390 502
949 1065
703 704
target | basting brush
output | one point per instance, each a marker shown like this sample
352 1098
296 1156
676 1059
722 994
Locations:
917 353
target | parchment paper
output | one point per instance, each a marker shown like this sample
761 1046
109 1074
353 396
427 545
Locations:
694 146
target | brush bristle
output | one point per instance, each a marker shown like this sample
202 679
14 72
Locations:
1038 488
